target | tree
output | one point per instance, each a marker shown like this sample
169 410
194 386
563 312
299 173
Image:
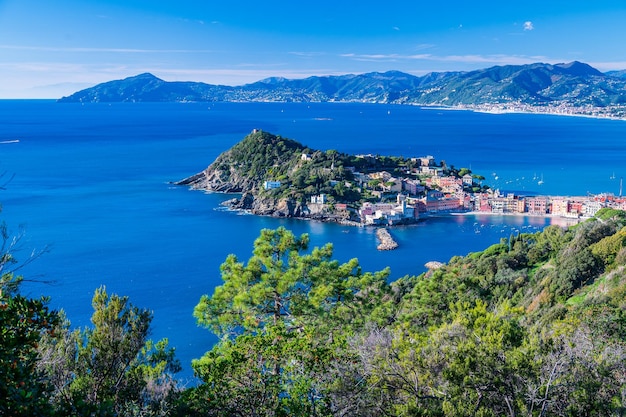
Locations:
24 391
279 286
580 372
279 318
470 365
262 292
464 171
111 368
23 322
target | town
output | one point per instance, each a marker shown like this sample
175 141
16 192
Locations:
425 188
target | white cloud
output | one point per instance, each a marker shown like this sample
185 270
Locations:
424 46
608 65
309 54
528 25
476 59
115 50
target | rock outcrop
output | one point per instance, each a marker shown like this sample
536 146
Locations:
385 239
265 206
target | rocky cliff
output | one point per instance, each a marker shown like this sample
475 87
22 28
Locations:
281 207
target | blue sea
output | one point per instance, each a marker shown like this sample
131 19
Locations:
90 187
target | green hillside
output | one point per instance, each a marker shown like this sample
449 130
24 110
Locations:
300 171
532 326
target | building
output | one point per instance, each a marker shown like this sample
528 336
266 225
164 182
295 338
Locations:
560 207
270 185
436 201
537 205
387 213
413 187
426 161
591 207
318 199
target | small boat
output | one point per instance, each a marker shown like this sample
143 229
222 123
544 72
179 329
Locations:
10 141
541 180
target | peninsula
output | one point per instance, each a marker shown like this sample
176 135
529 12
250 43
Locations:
280 177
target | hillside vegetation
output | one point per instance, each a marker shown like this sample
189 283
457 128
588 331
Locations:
299 173
532 326
302 171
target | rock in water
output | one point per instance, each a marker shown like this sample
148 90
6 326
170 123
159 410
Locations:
386 241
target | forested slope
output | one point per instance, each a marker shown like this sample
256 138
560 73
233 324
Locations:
532 326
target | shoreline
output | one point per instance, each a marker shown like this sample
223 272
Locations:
225 205
568 220
531 110
540 216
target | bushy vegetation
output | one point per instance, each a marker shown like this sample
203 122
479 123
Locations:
304 172
532 326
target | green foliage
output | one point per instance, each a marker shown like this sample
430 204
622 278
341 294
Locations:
23 322
302 172
608 248
278 285
532 326
259 152
611 214
280 317
110 368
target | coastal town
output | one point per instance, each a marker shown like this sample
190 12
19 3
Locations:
426 188
279 177
563 108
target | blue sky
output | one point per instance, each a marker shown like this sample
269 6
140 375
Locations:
51 48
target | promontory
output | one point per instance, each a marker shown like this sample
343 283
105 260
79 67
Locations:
280 177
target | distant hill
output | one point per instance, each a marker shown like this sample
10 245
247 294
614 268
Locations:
574 84
618 74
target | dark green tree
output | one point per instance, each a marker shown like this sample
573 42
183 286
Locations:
111 368
24 391
280 317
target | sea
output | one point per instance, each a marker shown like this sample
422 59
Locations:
87 191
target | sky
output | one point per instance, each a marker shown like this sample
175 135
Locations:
52 48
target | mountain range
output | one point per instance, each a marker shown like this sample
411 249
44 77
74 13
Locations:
573 85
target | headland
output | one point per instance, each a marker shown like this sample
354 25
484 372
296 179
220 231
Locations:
279 177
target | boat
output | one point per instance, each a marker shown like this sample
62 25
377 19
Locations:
10 141
541 180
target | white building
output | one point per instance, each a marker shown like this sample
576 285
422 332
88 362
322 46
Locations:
318 199
270 185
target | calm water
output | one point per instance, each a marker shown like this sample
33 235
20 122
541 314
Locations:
91 184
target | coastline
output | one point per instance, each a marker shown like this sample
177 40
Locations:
526 110
228 206
573 220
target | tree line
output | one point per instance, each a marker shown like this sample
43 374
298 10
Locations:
532 326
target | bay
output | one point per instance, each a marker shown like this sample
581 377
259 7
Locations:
92 184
